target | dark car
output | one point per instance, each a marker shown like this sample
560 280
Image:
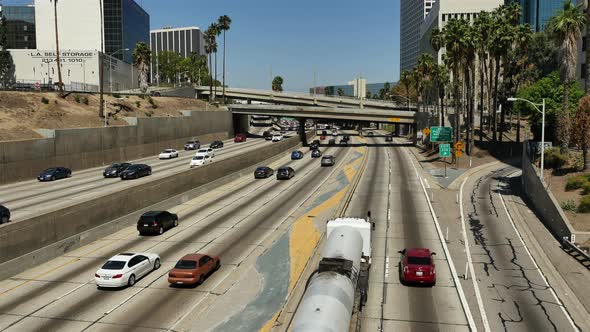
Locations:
314 146
54 173
328 160
114 171
332 141
263 172
316 153
285 173
343 142
156 222
192 145
388 138
216 145
240 138
324 133
296 155
417 266
136 171
267 135
4 215
371 134
346 138
316 141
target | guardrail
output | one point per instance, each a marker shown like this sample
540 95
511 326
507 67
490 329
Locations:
577 252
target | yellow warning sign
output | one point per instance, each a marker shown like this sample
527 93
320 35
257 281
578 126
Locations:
426 131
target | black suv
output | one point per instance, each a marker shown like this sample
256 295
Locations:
314 146
216 145
285 173
156 222
4 215
316 153
114 171
136 171
267 135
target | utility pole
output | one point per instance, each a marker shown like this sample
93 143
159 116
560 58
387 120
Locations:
61 89
101 108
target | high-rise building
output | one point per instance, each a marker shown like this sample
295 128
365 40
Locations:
412 14
538 12
184 41
20 26
124 24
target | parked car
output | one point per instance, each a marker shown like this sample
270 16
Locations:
192 145
388 138
314 146
285 173
417 266
328 160
193 268
136 171
114 171
156 222
332 141
54 173
316 153
296 155
370 134
168 154
200 160
267 135
4 214
263 172
205 152
126 268
216 145
277 137
240 138
343 142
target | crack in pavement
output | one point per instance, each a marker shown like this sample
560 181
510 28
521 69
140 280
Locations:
509 319
476 228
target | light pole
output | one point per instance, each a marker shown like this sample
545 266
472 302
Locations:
542 111
111 64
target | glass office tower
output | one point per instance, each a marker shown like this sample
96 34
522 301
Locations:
125 25
20 27
538 12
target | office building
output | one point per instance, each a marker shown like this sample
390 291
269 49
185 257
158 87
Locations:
355 88
538 12
412 14
184 41
20 26
124 24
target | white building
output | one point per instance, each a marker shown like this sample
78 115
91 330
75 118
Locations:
183 41
359 87
412 14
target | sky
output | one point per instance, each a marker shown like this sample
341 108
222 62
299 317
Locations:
338 40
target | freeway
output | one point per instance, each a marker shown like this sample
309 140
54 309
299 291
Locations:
30 198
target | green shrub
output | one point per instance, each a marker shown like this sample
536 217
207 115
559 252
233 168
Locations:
568 205
586 188
584 206
45 100
85 100
138 104
116 95
152 102
555 159
141 96
77 98
576 182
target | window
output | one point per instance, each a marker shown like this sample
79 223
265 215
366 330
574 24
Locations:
133 261
444 17
113 265
186 265
204 260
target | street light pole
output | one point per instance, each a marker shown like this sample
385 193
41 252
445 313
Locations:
542 111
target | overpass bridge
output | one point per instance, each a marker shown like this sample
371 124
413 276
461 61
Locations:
302 99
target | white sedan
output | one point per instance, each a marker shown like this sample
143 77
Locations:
125 269
201 160
168 154
205 152
277 137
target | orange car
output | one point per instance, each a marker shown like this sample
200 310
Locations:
193 268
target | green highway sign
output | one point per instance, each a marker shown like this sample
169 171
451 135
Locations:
441 134
444 150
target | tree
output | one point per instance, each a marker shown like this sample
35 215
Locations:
61 89
424 67
581 130
406 80
441 79
196 68
214 31
482 38
169 65
566 28
277 84
543 54
142 56
453 36
210 48
6 63
224 23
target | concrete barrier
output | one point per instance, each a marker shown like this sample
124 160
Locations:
33 241
90 147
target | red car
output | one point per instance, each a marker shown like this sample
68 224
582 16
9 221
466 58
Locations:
193 269
322 137
417 266
240 138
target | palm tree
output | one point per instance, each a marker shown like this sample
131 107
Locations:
566 27
210 46
224 23
587 73
437 41
468 40
406 80
416 79
441 79
214 31
61 89
482 27
142 56
453 35
424 67
277 84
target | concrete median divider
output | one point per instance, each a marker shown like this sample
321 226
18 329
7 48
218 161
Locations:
28 243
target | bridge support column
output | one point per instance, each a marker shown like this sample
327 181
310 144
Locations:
414 129
302 134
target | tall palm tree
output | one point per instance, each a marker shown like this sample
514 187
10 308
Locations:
453 35
469 49
424 67
61 89
142 56
224 23
566 27
210 45
437 41
482 27
214 31
587 73
406 80
416 79
441 79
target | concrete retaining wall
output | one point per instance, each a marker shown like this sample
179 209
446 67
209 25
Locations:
544 203
30 238
91 147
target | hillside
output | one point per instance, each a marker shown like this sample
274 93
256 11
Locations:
22 112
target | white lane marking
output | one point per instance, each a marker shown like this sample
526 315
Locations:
567 315
482 310
386 267
462 297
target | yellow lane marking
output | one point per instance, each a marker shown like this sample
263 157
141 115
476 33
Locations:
268 326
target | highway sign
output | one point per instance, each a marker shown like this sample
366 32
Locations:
441 134
459 145
444 150
458 153
426 131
